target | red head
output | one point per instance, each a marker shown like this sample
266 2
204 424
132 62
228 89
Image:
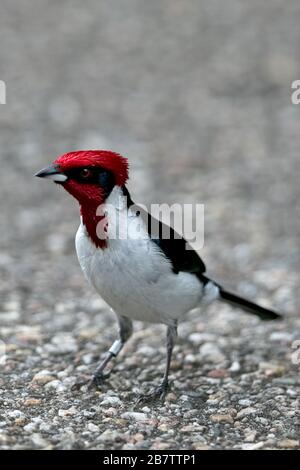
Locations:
90 176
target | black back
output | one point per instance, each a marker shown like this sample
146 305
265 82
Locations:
175 247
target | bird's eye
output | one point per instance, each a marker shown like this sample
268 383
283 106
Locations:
85 173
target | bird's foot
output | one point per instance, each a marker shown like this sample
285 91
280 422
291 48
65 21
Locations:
91 382
158 394
80 382
97 380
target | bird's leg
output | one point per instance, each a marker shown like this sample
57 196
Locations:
125 331
161 390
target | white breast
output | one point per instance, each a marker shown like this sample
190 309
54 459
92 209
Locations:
134 277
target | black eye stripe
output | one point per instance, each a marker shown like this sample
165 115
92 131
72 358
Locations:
97 176
106 181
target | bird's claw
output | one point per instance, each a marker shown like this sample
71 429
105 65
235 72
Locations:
158 394
96 381
80 383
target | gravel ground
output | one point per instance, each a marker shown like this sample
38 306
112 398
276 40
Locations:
198 97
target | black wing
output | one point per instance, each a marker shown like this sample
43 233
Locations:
175 247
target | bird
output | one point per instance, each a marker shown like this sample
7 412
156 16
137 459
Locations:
140 273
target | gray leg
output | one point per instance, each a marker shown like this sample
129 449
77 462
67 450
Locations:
160 391
125 331
171 338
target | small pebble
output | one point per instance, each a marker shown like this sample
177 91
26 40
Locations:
32 402
221 418
134 416
246 412
289 444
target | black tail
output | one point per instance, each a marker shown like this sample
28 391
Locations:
248 306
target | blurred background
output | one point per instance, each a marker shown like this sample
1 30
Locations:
197 94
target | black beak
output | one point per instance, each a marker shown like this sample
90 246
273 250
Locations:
52 172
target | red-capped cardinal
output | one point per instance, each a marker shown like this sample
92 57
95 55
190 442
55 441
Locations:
144 277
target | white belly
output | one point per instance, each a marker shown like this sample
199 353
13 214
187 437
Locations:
136 280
